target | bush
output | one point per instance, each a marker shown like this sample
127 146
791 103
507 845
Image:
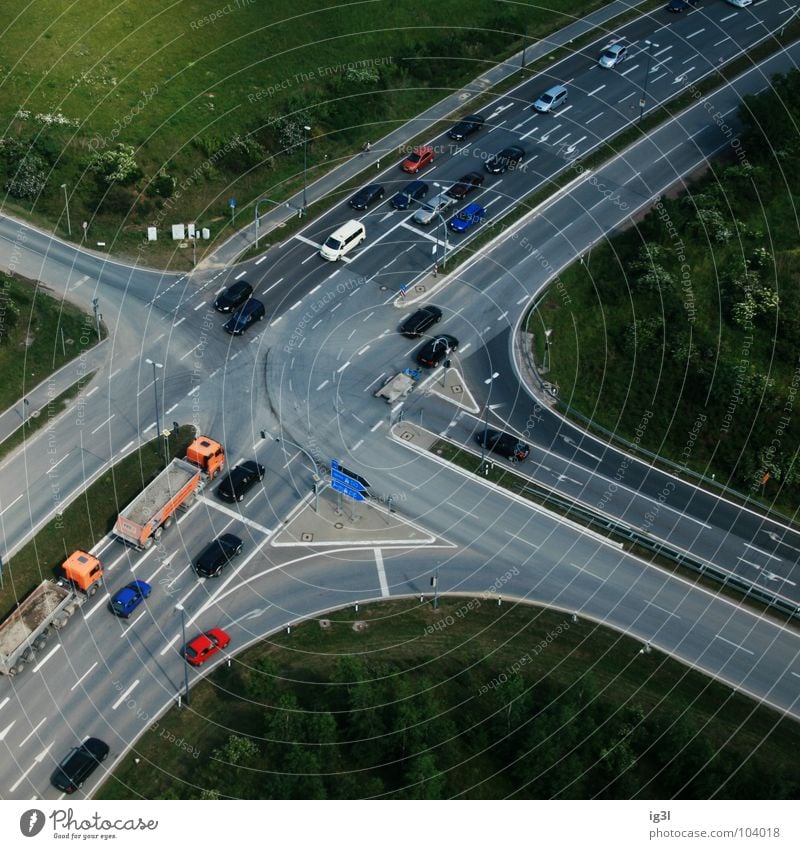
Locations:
116 165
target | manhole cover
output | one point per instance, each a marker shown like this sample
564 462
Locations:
457 389
360 625
419 288
338 526
306 537
325 624
407 435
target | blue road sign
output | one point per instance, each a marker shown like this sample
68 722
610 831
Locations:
347 478
355 494
232 202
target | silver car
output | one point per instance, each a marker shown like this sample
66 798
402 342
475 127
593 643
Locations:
554 97
613 55
427 211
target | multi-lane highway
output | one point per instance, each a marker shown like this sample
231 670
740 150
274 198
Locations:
308 372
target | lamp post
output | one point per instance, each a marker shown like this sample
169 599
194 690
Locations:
66 207
156 365
643 99
435 585
445 244
306 131
547 334
317 478
182 610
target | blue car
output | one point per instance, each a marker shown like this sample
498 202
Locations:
129 598
469 216
409 193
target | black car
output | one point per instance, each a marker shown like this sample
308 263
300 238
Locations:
416 324
364 197
681 5
79 764
247 314
506 444
418 190
466 127
233 297
238 481
216 556
509 157
465 185
433 352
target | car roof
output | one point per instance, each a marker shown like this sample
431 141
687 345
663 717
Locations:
556 89
615 48
472 208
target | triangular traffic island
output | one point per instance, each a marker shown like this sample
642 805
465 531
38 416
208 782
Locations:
452 387
350 523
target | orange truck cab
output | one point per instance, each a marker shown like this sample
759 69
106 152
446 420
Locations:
207 454
83 571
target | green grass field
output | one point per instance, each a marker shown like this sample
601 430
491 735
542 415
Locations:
209 106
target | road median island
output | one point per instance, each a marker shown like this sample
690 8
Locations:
470 699
83 522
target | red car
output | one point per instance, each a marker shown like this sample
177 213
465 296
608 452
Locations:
201 648
421 157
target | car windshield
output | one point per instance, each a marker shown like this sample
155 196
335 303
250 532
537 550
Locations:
547 98
333 244
415 157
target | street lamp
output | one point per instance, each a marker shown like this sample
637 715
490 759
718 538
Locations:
643 99
156 365
547 334
306 131
435 585
444 241
488 407
66 207
182 610
317 478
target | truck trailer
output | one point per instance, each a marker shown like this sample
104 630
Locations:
142 522
25 631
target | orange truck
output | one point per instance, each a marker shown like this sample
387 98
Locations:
24 632
142 522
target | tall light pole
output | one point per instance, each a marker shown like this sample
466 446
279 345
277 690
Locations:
435 585
66 207
156 365
547 334
182 610
317 478
306 131
444 241
642 101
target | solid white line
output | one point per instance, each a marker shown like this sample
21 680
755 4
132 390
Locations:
125 695
77 683
104 423
381 573
731 643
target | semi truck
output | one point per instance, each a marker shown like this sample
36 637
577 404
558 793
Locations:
24 632
142 522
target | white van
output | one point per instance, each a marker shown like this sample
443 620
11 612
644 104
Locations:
343 239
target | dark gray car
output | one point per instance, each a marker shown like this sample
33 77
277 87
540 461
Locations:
217 555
